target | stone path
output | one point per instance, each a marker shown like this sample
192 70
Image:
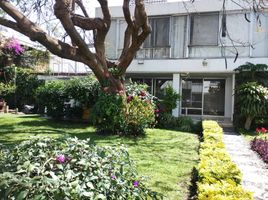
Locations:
254 170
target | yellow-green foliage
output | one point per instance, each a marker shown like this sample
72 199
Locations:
219 178
223 191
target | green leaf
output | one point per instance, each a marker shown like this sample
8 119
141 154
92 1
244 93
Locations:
22 195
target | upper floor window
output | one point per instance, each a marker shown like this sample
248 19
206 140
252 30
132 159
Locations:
204 29
159 36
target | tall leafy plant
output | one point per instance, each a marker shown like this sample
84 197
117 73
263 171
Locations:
252 99
252 73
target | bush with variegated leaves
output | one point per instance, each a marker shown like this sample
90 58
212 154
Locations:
69 169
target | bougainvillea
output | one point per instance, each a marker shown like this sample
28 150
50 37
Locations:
13 46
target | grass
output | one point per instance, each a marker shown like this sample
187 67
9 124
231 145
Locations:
167 157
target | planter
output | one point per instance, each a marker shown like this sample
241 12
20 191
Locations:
86 113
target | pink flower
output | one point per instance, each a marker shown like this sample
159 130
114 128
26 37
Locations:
257 130
156 111
129 98
113 177
136 183
142 93
60 159
14 45
263 130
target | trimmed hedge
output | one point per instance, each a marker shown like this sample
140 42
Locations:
218 177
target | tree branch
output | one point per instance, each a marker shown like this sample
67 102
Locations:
63 14
129 29
88 23
35 33
100 34
9 24
138 30
81 5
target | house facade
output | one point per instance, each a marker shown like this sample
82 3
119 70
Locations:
194 47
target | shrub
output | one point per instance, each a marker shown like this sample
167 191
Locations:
83 90
69 169
26 85
114 113
185 123
52 95
6 89
108 114
252 99
170 99
139 115
167 121
218 177
261 147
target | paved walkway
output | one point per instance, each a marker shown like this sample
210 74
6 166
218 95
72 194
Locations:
254 170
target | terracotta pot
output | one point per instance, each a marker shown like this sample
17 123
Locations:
86 113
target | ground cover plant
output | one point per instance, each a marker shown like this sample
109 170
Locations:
166 156
218 177
260 143
69 169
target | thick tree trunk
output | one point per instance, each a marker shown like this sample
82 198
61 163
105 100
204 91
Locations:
248 122
113 85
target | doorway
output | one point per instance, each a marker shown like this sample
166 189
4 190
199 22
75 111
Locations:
203 96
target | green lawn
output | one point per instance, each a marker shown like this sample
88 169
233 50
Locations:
167 157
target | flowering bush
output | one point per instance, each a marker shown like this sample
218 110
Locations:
261 130
128 115
12 46
69 169
261 147
113 113
140 115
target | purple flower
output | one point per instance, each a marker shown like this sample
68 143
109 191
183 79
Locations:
113 177
60 159
15 46
136 183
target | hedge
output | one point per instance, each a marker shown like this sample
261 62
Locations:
218 177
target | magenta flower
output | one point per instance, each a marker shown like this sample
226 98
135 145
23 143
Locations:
142 93
129 98
136 183
60 159
15 46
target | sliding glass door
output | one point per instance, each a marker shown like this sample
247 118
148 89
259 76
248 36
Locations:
203 97
214 97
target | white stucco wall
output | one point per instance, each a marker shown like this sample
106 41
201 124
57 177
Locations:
189 65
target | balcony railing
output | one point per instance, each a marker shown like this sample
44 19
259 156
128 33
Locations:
154 53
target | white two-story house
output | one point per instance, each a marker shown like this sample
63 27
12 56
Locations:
193 49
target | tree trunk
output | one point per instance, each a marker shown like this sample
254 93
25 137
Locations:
248 122
113 85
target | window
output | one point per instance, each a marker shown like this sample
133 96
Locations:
159 36
204 29
156 86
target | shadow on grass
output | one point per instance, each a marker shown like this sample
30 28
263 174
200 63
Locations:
193 186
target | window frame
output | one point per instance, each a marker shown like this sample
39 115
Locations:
152 35
191 26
